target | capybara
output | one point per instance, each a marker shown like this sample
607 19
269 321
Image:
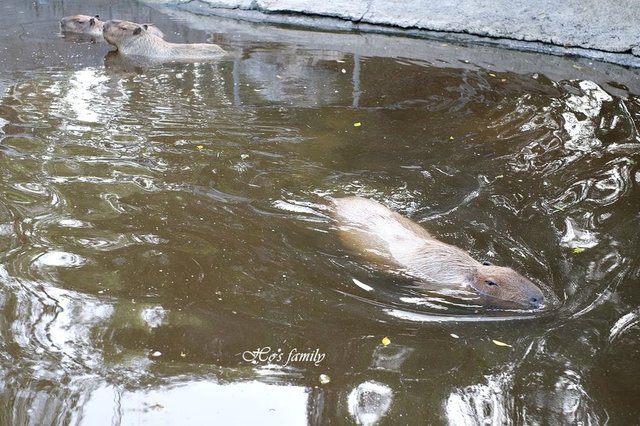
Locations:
92 26
136 40
388 239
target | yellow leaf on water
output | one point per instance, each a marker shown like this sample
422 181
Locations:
324 379
357 124
578 250
200 146
492 75
499 343
386 341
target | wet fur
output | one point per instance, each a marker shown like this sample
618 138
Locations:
133 39
93 26
82 24
390 240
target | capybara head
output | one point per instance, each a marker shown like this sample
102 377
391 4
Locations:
116 32
119 33
506 285
81 24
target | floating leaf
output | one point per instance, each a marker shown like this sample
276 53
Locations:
492 75
244 156
386 341
578 250
324 379
499 343
357 124
454 335
200 146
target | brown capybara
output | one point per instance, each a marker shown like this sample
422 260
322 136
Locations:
388 239
136 40
92 26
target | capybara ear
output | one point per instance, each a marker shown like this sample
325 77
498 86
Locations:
92 22
145 26
137 31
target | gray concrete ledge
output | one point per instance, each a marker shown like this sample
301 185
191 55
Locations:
601 30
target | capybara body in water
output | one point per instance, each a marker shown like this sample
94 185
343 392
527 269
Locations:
393 241
93 26
134 39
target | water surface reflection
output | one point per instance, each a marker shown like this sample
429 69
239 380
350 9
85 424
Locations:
159 220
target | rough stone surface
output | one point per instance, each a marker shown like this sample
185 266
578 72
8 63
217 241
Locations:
606 26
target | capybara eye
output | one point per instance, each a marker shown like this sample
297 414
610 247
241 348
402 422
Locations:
490 282
486 263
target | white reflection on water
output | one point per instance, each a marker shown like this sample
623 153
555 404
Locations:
482 403
6 229
623 324
59 258
199 403
369 402
154 316
577 237
81 95
563 401
580 119
71 330
425 317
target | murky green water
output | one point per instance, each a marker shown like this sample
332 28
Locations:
166 254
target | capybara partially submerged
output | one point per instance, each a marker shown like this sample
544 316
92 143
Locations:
393 241
92 26
82 24
136 40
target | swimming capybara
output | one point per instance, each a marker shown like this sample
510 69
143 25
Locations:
92 26
136 40
388 239
82 24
